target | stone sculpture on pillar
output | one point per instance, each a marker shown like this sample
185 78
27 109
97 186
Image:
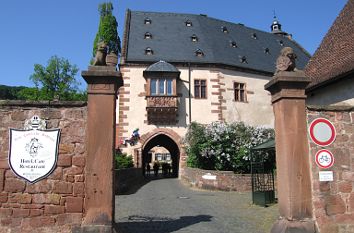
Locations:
287 88
286 60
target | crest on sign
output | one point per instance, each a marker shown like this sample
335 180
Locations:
33 152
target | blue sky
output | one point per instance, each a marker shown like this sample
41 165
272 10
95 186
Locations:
33 31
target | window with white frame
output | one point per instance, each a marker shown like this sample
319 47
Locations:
161 86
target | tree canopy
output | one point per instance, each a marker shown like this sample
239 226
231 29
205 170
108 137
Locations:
54 81
107 29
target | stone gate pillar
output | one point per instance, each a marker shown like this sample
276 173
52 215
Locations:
292 153
103 83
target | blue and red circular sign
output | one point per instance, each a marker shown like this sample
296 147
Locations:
324 159
322 132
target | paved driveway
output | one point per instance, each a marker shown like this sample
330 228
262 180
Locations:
166 205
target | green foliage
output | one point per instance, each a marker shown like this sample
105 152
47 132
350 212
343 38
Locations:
107 29
55 81
123 161
9 93
222 146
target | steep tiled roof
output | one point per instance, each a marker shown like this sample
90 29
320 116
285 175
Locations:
335 56
182 38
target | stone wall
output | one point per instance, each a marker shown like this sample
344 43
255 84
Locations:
333 202
225 180
56 203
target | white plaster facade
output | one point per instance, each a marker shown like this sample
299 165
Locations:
219 104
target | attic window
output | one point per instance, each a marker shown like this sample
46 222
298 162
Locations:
224 29
254 36
194 38
243 59
147 21
189 23
266 51
233 44
199 53
281 43
148 35
149 51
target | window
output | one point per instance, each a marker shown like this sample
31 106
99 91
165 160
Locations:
240 92
200 89
199 53
149 51
147 21
194 38
161 86
233 44
148 35
266 50
188 23
281 43
224 29
254 36
243 59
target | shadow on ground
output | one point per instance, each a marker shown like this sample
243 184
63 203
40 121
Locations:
130 188
135 223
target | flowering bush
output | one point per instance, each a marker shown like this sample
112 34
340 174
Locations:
223 146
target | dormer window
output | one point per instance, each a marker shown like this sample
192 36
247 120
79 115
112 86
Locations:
147 21
266 51
189 23
199 53
254 36
224 29
148 35
243 59
194 38
149 51
233 44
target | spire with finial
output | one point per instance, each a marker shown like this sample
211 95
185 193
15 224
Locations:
276 26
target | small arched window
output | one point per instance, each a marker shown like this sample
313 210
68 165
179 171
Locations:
233 44
281 43
199 53
254 36
147 35
224 29
149 51
243 59
147 21
266 51
194 38
189 23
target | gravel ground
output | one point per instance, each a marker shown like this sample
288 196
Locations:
166 205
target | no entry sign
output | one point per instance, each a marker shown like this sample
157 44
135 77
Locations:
322 132
324 159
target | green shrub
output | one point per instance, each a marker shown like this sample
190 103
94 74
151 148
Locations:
222 146
123 161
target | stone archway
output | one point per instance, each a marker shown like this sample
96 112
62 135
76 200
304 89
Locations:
168 139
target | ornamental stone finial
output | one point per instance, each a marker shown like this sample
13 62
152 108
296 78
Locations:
101 53
286 60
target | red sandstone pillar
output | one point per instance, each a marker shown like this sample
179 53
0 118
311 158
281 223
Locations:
292 153
103 83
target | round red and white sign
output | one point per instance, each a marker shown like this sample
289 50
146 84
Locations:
322 132
324 159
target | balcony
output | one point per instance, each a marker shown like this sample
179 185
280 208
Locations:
162 110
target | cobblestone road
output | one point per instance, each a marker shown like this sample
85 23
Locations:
166 205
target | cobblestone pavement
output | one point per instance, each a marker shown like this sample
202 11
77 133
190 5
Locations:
166 205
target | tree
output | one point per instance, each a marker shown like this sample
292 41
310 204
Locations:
55 81
107 29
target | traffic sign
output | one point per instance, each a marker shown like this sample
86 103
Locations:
322 132
324 159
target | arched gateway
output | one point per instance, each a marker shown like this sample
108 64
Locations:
167 139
